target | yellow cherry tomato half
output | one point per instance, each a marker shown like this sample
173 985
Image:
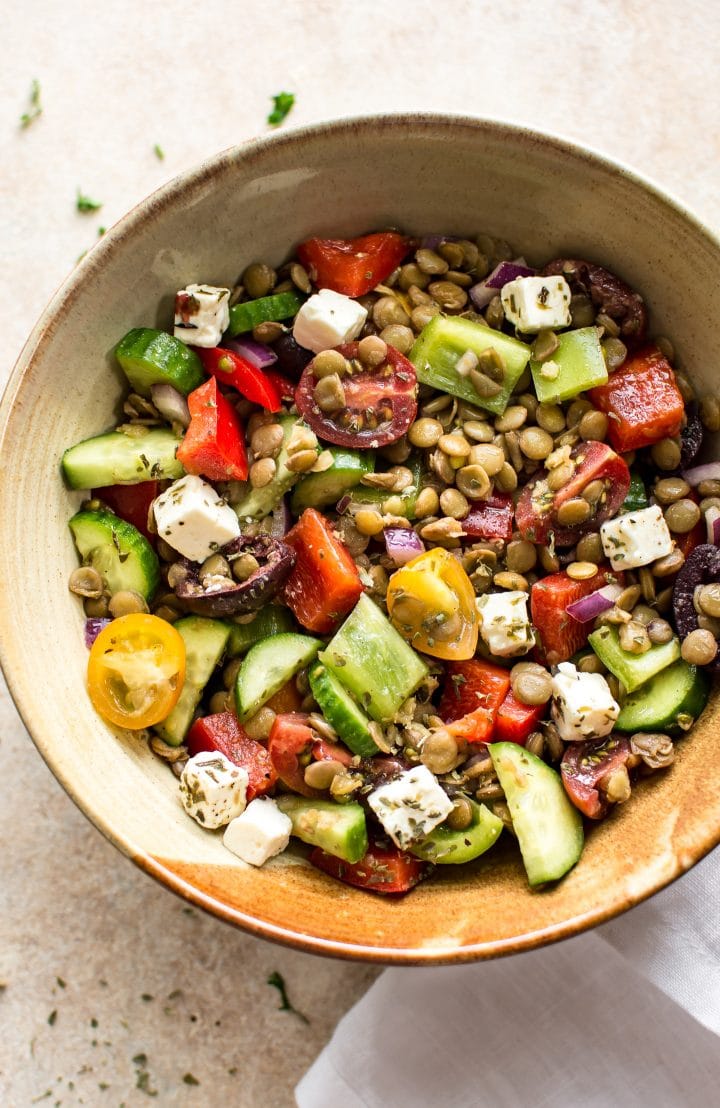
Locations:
431 602
136 671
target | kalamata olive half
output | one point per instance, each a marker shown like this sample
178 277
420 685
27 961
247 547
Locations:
223 596
691 436
292 358
583 767
609 293
702 567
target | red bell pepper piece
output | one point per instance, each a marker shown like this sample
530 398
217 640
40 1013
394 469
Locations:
353 266
223 733
324 583
290 747
385 870
558 635
214 443
491 519
131 503
237 372
283 386
471 698
642 401
687 543
516 721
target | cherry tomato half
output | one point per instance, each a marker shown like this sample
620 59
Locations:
136 671
431 602
583 767
380 403
353 266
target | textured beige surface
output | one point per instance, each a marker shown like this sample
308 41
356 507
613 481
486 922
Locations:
637 80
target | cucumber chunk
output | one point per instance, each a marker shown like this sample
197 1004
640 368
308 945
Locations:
148 357
317 490
339 829
341 712
632 669
121 555
373 661
443 846
548 827
266 309
443 341
581 364
117 459
260 502
267 666
675 696
205 641
273 620
363 494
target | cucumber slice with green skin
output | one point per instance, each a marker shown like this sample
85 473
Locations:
581 364
633 670
443 846
260 502
373 661
636 498
443 341
266 309
341 712
676 696
270 621
340 829
549 828
317 490
118 459
267 666
205 641
374 498
148 357
121 555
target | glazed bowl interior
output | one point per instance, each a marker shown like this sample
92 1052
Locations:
255 202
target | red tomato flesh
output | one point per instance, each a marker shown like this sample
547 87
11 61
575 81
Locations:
353 266
490 519
214 443
585 764
642 401
536 511
223 733
385 870
324 583
131 503
290 747
559 636
516 721
471 697
380 402
235 371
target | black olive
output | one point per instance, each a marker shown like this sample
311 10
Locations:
691 436
702 567
292 358
608 293
276 560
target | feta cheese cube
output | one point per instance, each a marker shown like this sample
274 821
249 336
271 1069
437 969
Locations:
192 519
261 832
202 315
533 303
327 319
636 538
213 789
583 706
410 806
504 624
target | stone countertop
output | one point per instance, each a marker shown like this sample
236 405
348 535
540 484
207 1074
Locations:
113 988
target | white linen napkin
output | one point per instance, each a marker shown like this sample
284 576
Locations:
611 1018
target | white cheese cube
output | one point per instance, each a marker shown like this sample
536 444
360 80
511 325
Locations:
327 319
410 806
192 519
213 789
202 315
583 706
636 538
261 832
504 624
533 303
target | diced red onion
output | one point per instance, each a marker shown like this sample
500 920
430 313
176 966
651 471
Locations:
589 607
431 242
482 294
402 544
257 353
171 404
343 503
710 471
712 519
281 520
93 627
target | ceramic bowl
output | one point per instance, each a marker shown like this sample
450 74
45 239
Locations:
424 173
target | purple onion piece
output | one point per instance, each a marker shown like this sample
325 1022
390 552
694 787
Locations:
402 544
708 472
712 521
507 271
93 627
481 295
431 242
171 404
257 353
281 520
591 606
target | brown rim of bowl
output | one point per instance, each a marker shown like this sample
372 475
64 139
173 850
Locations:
147 208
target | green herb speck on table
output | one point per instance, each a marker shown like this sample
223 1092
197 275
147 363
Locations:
282 103
52 1017
35 109
159 152
278 982
84 204
190 1079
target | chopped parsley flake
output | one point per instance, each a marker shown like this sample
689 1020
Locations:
35 109
159 152
84 204
282 103
278 982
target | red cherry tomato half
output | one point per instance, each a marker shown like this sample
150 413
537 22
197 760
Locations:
290 746
131 503
382 870
585 764
353 266
380 403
